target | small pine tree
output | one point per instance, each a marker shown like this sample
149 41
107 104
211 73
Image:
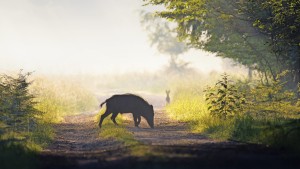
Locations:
17 110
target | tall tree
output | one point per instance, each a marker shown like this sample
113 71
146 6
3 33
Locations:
163 37
235 29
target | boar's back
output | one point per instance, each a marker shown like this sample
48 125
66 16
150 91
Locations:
126 103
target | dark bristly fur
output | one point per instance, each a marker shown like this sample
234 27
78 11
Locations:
128 103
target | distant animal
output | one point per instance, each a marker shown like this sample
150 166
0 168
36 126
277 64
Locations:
128 103
168 96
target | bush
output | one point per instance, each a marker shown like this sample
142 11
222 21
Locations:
259 113
224 100
28 108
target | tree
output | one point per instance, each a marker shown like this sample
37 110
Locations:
234 29
16 104
163 37
280 21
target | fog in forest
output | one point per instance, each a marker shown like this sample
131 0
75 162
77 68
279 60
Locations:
104 46
83 37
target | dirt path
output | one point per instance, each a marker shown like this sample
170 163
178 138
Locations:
167 132
79 134
77 145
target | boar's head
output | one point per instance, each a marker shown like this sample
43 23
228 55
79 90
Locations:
149 116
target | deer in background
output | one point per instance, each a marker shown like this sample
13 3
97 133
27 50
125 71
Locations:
168 97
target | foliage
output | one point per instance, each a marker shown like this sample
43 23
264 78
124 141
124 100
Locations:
28 108
273 113
271 98
189 106
263 35
270 116
58 98
18 114
280 21
22 132
224 100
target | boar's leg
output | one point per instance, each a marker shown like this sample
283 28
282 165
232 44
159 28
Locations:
138 120
135 119
103 116
113 118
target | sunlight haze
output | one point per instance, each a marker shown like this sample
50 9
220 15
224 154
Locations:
76 36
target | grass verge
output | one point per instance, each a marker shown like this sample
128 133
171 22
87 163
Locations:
274 123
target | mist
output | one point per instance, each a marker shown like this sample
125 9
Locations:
82 37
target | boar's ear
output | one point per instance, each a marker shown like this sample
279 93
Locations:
151 106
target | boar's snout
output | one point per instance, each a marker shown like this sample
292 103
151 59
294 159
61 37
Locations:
151 123
152 126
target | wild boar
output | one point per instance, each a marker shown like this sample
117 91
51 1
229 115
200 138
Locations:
128 103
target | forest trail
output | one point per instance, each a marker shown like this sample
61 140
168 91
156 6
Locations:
78 145
79 134
167 132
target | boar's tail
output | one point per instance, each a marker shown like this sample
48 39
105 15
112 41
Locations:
102 103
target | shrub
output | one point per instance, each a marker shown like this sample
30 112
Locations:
249 112
224 100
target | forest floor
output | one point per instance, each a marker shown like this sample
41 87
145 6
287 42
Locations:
169 145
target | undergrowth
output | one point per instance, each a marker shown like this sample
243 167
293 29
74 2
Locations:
269 114
28 108
58 98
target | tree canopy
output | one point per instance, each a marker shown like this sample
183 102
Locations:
261 34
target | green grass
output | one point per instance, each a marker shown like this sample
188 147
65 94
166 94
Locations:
19 152
19 149
17 156
120 133
190 107
57 98
281 129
